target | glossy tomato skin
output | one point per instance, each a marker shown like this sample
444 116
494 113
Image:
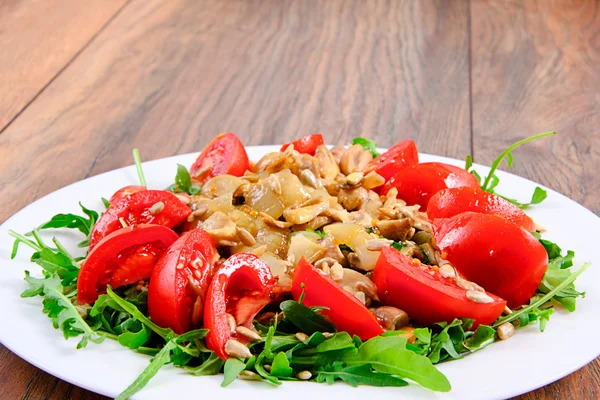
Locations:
135 209
123 257
225 154
425 294
417 184
124 192
346 312
180 279
494 253
450 202
307 144
242 286
401 155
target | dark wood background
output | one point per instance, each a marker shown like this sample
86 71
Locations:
82 83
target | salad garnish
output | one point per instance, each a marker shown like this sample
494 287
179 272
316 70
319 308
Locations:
290 246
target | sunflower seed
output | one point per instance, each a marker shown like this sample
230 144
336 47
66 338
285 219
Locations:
156 208
231 322
355 178
506 330
304 375
249 333
301 336
237 349
337 271
479 297
249 376
245 236
328 335
267 367
447 271
378 244
468 285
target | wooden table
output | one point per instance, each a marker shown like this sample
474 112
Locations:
82 83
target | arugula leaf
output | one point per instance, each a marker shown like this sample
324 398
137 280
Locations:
361 374
231 370
483 336
133 340
389 355
211 366
183 182
105 202
138 165
304 318
491 180
161 359
367 144
281 366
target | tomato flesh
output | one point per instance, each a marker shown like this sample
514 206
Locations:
307 144
124 192
494 253
417 184
346 312
136 209
180 279
401 155
242 286
425 294
121 258
225 154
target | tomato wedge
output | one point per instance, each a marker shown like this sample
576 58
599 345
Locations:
307 144
346 312
123 257
241 288
401 155
225 154
417 184
425 294
494 253
450 202
124 192
141 208
180 280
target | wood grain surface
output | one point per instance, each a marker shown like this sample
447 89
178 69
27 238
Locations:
38 38
456 76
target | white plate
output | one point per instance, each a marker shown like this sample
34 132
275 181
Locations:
525 362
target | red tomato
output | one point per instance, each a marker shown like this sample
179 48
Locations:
124 192
123 257
425 294
141 208
494 253
178 285
450 202
241 287
418 183
307 144
401 155
225 154
346 312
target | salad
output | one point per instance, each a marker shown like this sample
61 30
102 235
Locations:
314 263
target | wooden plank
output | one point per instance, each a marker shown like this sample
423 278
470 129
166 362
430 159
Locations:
535 69
38 38
168 76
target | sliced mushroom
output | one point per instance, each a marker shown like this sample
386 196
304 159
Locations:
221 228
373 180
314 224
302 215
396 229
353 282
393 318
328 166
355 159
353 198
361 217
221 185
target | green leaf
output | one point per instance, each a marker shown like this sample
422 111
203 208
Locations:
398 245
281 366
361 374
183 182
138 315
105 202
161 359
138 165
389 355
340 341
211 366
367 144
231 370
483 336
305 319
133 340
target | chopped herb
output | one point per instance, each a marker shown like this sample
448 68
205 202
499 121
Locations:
367 144
183 182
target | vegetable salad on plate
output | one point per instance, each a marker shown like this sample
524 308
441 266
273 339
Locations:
313 263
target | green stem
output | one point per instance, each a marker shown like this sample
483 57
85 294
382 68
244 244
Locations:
23 239
498 160
62 249
138 165
547 297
